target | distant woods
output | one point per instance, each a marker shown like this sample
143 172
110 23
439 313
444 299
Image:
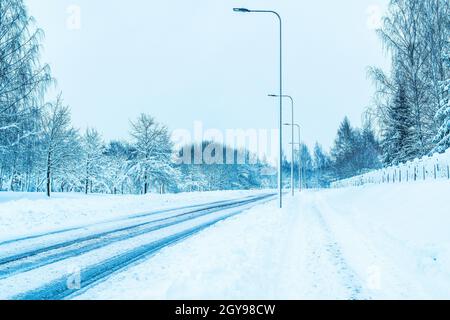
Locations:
40 150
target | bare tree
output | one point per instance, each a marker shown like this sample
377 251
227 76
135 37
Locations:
153 151
23 81
23 78
60 142
93 151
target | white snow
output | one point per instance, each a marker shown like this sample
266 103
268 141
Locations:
379 241
434 167
16 284
370 242
23 214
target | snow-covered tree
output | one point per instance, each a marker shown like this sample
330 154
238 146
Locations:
322 166
192 178
398 137
222 176
369 149
354 150
307 166
436 36
93 160
117 155
23 81
61 146
343 150
153 152
415 33
23 78
442 139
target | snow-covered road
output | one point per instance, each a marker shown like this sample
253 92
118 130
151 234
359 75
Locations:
36 267
371 242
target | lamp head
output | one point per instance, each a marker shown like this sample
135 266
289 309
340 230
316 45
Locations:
242 10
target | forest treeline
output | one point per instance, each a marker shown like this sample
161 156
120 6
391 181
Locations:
40 150
410 116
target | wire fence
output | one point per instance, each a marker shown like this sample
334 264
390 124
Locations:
435 167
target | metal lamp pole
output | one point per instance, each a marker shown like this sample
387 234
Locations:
299 153
292 137
280 122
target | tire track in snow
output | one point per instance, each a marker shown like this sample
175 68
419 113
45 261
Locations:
121 219
348 276
91 275
33 259
331 275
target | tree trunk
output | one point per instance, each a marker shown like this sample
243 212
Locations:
86 182
145 184
49 175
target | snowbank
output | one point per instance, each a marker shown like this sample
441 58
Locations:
436 167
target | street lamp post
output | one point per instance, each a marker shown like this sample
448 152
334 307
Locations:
280 122
299 153
292 137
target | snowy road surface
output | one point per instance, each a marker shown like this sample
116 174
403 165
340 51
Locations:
36 267
372 242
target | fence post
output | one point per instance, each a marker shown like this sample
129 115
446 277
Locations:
424 174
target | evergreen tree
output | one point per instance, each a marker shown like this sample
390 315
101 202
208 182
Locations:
370 148
355 151
343 151
398 140
322 163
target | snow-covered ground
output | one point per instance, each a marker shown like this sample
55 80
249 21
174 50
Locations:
369 242
33 213
376 241
433 167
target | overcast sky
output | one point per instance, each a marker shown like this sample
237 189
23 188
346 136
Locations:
182 61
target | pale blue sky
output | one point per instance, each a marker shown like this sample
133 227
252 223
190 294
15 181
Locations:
183 61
